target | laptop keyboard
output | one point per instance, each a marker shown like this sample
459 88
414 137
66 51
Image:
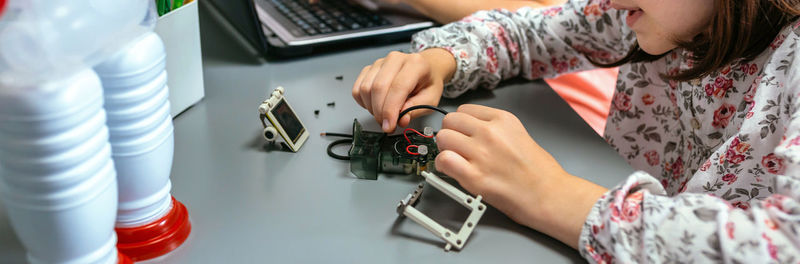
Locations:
328 16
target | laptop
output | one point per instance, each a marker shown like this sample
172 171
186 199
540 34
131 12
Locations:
289 28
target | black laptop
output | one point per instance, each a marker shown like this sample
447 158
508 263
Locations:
288 28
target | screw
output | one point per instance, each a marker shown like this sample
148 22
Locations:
332 104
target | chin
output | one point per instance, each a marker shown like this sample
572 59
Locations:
654 47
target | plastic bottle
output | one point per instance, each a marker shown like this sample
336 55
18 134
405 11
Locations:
57 178
140 124
44 40
141 129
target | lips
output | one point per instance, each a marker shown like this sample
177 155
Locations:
622 7
633 13
633 16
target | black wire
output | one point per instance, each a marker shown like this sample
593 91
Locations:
349 139
404 112
336 134
338 142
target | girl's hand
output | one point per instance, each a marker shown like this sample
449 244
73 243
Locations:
402 80
489 152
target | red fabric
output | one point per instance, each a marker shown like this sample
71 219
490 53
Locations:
588 93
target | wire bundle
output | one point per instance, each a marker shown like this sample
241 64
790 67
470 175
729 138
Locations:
411 144
349 138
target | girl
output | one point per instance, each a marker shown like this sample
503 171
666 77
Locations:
705 108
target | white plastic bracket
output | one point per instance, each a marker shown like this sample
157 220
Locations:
453 239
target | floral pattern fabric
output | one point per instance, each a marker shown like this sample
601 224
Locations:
718 158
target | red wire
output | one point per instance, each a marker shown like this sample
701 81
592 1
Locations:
415 131
409 151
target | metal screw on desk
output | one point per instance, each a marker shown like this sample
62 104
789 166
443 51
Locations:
332 104
339 78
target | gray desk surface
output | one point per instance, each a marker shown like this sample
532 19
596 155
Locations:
249 205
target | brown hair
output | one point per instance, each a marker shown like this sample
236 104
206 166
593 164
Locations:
751 23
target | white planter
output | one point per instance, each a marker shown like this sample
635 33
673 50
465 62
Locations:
180 31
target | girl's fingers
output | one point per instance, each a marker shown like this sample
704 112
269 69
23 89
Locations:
366 84
357 85
463 123
407 79
484 113
425 96
447 139
454 165
390 70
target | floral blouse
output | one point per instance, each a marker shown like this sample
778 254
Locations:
718 158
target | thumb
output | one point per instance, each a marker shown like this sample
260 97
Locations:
413 101
421 96
404 121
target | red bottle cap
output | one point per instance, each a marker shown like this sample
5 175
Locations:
122 259
2 7
157 238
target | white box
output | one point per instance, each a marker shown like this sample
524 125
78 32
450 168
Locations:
180 31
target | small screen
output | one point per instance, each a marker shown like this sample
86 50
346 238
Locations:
289 121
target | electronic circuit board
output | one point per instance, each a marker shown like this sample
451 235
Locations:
374 152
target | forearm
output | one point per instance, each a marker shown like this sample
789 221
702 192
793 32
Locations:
563 205
492 46
453 10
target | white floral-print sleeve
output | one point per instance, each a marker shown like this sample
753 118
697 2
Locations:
638 223
490 46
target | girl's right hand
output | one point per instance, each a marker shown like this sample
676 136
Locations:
400 81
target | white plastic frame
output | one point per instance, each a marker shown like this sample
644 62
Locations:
265 109
453 239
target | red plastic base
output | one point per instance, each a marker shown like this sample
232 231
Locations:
157 238
122 259
2 7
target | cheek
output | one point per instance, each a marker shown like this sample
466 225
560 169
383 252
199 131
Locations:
683 20
655 41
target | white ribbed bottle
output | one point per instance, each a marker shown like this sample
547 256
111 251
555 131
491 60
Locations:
57 178
135 90
141 136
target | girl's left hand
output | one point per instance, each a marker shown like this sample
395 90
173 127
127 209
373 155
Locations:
489 152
